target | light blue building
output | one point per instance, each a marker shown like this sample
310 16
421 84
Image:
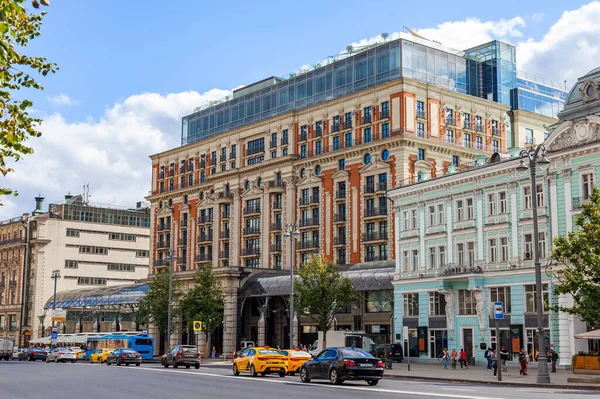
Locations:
464 239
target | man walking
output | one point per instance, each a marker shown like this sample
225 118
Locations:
463 358
494 358
553 357
503 358
488 356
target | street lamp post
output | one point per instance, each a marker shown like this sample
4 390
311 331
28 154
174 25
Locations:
292 233
537 157
169 259
55 276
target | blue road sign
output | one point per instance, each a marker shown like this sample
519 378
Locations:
498 310
55 333
144 333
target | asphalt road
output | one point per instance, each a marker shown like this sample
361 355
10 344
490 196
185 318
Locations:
37 380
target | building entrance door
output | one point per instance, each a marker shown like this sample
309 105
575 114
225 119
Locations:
467 342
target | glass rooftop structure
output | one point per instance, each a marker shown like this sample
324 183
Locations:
103 297
375 276
486 71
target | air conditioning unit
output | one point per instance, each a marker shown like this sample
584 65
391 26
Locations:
527 255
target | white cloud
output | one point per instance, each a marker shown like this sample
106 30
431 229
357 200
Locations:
538 16
63 99
569 49
110 153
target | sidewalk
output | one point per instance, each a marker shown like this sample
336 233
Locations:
480 374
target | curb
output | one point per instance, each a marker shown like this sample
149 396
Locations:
501 383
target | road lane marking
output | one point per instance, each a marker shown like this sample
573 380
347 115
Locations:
283 381
460 389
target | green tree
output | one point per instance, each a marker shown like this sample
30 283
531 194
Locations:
204 301
17 29
577 257
154 307
322 291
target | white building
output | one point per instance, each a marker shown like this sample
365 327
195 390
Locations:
91 246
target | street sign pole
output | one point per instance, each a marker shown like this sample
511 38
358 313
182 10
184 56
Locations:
498 314
405 338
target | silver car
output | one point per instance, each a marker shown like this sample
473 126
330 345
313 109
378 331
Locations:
61 355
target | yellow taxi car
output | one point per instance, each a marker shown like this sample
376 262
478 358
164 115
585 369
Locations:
263 360
100 355
79 353
295 359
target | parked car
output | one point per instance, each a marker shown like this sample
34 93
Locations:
61 355
80 353
295 359
341 364
124 356
394 352
33 354
100 355
260 360
182 355
16 353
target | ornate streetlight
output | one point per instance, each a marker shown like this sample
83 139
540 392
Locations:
537 157
291 232
169 259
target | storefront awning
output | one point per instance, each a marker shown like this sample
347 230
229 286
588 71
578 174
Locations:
114 296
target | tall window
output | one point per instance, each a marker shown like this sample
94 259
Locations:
413 216
437 304
502 196
492 204
318 147
411 304
479 142
467 140
467 304
406 260
471 249
455 160
526 197
493 250
442 255
531 300
336 143
432 258
449 136
495 146
348 140
542 239
470 213
501 294
385 130
420 109
540 195
420 129
460 211
587 186
504 249
368 135
415 260
528 244
421 154
303 151
528 136
440 218
460 253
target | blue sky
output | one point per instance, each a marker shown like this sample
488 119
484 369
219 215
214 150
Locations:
129 70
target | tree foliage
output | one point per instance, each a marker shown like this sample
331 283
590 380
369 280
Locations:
578 263
154 307
322 291
17 29
204 301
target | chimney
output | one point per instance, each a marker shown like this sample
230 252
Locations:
39 201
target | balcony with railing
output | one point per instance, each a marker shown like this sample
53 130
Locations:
366 119
479 127
162 244
369 188
277 205
223 254
340 194
467 125
375 258
205 237
255 150
450 121
303 136
182 241
495 131
284 141
226 215
213 161
376 211
305 200
183 223
224 234
381 186
276 226
308 222
273 144
222 158
161 262
276 247
205 219
340 240
308 244
161 175
421 114
318 131
13 241
348 124
225 197
577 202
339 217
204 257
250 251
375 236
276 184
335 127
248 231
12 283
250 210
384 114
164 227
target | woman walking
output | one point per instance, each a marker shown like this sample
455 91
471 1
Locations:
453 357
445 358
523 362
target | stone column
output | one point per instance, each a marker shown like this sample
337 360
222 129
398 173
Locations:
421 227
449 228
568 201
514 239
553 206
216 231
235 229
479 223
288 216
265 229
296 331
230 314
261 327
397 243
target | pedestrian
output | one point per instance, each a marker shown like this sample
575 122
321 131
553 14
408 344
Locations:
445 357
488 356
453 356
523 362
503 358
463 358
553 357
495 362
213 353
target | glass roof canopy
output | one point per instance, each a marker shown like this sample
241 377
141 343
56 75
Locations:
115 296
374 276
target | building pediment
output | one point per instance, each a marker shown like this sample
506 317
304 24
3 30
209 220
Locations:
423 165
570 134
165 211
253 190
184 207
375 166
310 179
341 175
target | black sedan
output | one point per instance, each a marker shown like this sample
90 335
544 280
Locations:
124 356
341 364
33 354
